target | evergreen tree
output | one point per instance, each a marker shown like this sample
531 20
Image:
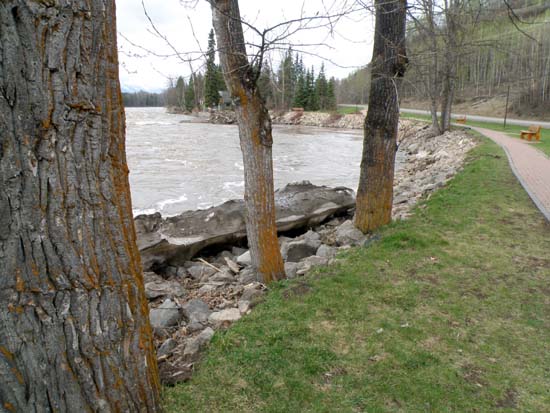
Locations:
265 85
287 80
312 96
301 90
331 95
180 88
321 89
190 95
300 97
212 76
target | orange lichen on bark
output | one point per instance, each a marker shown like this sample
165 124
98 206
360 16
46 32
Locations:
6 353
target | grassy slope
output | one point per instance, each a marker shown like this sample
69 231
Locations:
511 130
449 312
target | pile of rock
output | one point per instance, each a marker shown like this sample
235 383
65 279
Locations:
430 161
223 117
188 303
320 119
192 297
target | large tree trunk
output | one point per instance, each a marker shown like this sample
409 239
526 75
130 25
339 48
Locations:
375 192
255 137
74 328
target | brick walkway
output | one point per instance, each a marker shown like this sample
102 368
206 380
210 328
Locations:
531 167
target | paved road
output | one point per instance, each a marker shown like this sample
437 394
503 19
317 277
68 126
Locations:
531 167
518 122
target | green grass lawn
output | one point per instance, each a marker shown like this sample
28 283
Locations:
448 312
510 130
347 110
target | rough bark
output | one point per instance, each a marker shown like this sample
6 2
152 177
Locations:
74 328
375 191
255 139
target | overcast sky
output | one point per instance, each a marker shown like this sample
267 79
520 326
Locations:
350 43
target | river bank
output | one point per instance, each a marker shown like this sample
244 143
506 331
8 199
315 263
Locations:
295 118
447 311
202 284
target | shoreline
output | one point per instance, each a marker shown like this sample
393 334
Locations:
209 287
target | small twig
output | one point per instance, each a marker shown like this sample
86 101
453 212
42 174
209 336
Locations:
208 264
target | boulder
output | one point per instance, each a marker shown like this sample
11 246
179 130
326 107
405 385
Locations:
167 347
243 306
326 251
200 270
196 311
162 288
195 344
223 276
247 275
312 238
310 262
244 258
294 251
224 317
174 240
168 314
252 292
348 234
290 269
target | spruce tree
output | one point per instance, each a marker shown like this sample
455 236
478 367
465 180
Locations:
213 74
190 95
321 89
180 88
312 96
331 95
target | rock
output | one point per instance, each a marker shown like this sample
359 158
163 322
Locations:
174 240
171 271
312 238
191 328
236 251
326 252
224 317
245 259
200 270
243 306
182 272
206 288
151 277
196 311
163 288
195 344
168 314
347 234
310 262
290 269
247 275
294 251
223 117
223 276
252 292
233 266
167 347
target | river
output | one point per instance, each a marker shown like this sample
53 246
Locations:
177 166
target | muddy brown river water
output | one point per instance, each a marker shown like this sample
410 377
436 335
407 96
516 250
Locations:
176 165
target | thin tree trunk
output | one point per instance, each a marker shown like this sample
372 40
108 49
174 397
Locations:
74 327
256 140
375 191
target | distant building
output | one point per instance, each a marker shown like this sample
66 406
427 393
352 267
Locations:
226 103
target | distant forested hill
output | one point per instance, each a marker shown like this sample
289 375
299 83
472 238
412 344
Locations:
500 48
